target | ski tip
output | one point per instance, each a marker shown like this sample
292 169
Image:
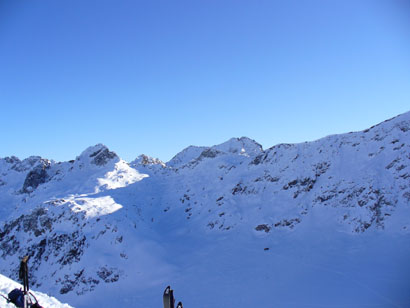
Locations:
179 305
167 290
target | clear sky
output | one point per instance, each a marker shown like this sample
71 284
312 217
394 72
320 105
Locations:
154 77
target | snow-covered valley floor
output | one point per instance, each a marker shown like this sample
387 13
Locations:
321 268
315 269
312 269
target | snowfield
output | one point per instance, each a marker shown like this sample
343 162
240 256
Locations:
316 224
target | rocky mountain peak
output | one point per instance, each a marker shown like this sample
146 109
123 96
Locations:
26 164
11 160
241 146
98 155
185 156
238 146
146 160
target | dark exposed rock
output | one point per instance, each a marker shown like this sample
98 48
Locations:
399 147
271 179
68 246
405 176
304 185
401 167
102 156
70 283
389 166
27 164
67 287
404 126
9 246
352 195
361 226
263 227
268 178
326 197
290 184
36 177
257 160
76 249
26 223
12 160
147 161
209 153
288 223
242 189
184 198
108 275
308 183
321 168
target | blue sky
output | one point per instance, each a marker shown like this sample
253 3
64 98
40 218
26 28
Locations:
154 77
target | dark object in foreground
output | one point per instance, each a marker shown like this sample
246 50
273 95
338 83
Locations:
169 300
23 298
18 298
23 273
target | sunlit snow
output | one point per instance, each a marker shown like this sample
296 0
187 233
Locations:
121 176
93 207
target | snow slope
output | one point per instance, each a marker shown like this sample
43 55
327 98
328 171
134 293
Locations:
315 224
7 285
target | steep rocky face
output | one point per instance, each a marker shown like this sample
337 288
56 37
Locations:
36 176
145 160
102 156
98 155
54 251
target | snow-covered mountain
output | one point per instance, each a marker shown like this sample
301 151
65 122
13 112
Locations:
308 218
